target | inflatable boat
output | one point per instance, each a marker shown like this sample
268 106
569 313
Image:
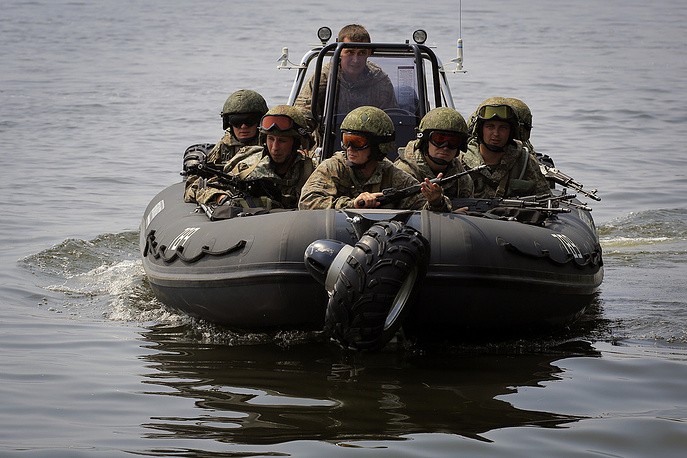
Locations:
506 267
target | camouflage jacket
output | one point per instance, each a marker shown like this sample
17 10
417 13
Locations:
333 184
221 153
373 87
253 163
412 160
517 175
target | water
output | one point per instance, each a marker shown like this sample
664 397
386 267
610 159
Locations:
99 99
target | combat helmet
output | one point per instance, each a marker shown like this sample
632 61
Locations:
374 124
442 119
495 108
243 106
524 117
472 121
288 121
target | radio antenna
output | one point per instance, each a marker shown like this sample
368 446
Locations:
459 43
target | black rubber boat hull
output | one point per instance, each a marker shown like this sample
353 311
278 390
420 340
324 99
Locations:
485 277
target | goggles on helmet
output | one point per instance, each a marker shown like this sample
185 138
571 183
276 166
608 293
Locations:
239 119
445 139
276 122
495 111
356 141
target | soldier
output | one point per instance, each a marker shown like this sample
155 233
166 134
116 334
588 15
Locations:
442 133
524 115
240 115
525 128
360 82
280 160
354 178
511 170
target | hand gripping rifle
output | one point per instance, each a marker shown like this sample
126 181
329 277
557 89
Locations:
394 195
256 187
564 180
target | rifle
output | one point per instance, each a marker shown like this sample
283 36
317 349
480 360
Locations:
255 187
542 203
561 178
393 194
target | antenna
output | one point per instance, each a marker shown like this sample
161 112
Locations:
459 43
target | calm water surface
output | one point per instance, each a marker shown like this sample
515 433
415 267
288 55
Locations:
99 99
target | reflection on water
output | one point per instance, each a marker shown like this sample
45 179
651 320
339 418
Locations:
267 394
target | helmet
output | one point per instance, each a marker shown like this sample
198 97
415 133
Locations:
374 123
473 117
288 121
495 108
245 102
524 116
444 119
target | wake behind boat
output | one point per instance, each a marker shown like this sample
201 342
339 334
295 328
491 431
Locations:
507 267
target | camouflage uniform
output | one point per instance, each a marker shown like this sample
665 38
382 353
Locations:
504 179
413 161
221 153
206 193
334 184
241 102
255 163
290 184
373 87
517 174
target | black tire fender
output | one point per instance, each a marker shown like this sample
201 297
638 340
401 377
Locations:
377 286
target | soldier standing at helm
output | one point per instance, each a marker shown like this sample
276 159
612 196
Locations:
442 133
511 170
279 160
354 178
360 82
240 116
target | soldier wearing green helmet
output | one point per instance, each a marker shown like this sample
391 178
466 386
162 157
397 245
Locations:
512 171
523 134
524 121
441 135
280 159
355 177
240 115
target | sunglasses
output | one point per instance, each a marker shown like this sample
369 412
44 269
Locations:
249 119
276 122
495 111
445 140
356 141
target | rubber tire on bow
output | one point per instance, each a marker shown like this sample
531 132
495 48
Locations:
375 286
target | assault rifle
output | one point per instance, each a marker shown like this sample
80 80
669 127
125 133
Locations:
564 180
394 195
542 203
253 187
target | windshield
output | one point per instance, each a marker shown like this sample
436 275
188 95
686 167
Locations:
387 79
